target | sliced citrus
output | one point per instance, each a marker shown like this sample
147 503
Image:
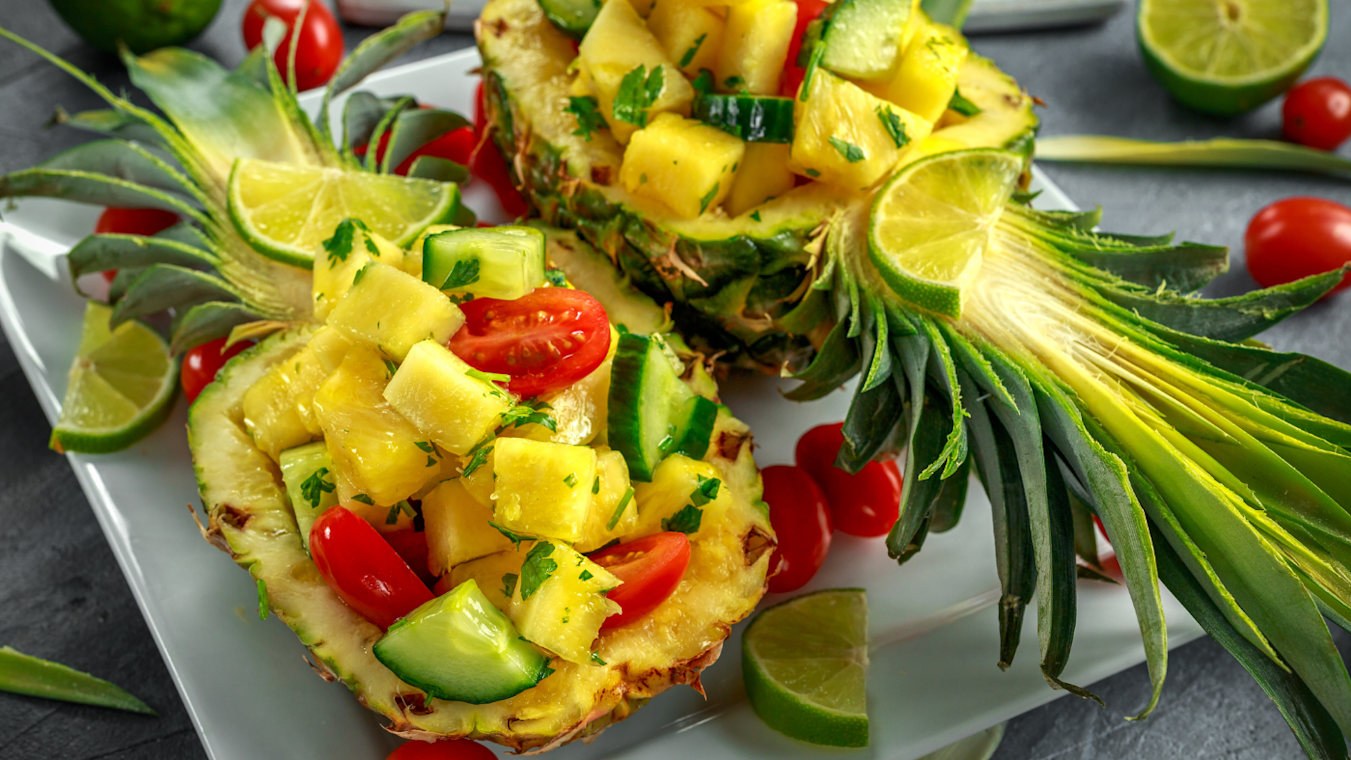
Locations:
932 222
805 663
121 387
285 211
1225 57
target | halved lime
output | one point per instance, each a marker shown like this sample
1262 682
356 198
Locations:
932 222
805 663
285 211
121 387
1225 57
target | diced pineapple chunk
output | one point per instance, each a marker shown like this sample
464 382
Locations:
617 43
412 262
559 601
684 493
848 137
340 258
479 482
542 489
312 366
495 574
392 311
614 512
927 76
683 163
764 174
457 528
934 143
436 391
374 448
642 7
755 45
690 33
579 410
270 415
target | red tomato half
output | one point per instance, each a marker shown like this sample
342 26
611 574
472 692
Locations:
650 567
801 520
1298 237
490 167
1317 113
807 11
202 363
363 569
547 339
132 221
319 50
864 504
454 749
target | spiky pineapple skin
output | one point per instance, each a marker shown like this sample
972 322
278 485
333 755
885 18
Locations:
250 519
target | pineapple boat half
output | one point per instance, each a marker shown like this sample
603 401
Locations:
526 504
859 209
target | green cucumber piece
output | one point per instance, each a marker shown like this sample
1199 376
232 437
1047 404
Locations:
647 404
861 39
495 262
573 17
460 647
693 426
753 118
307 472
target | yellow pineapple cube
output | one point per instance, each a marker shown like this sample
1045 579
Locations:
764 173
690 33
684 494
927 76
559 601
683 163
755 45
457 528
440 394
270 415
542 489
495 574
392 310
312 366
338 260
479 482
614 511
848 137
616 45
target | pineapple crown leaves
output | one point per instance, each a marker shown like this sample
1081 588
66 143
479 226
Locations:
1052 439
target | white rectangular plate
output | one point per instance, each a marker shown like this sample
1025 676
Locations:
251 695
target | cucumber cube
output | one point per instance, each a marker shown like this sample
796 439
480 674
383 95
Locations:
460 647
499 262
651 412
307 472
394 311
457 528
543 489
559 601
436 391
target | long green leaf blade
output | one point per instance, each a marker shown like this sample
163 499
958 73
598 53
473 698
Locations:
162 286
1224 153
376 51
98 253
416 128
92 188
25 674
208 321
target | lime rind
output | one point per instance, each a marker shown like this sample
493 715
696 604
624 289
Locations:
931 223
805 664
285 211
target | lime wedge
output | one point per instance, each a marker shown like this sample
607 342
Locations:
932 222
1225 57
805 663
121 387
285 211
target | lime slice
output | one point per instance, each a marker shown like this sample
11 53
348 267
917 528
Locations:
285 211
932 222
1225 57
805 662
121 387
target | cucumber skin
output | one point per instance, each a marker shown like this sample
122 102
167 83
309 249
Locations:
632 374
753 118
572 17
695 431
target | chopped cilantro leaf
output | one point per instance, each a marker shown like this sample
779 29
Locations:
391 367
706 491
595 487
813 173
509 584
537 568
340 245
963 106
894 126
425 446
571 480
733 82
364 499
465 272
512 536
708 197
686 521
755 215
851 152
688 57
556 277
586 575
587 111
619 510
637 92
360 274
476 459
488 377
703 84
431 461
314 487
595 657
394 511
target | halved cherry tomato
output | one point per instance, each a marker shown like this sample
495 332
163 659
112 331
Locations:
864 504
202 363
801 520
453 749
547 339
807 11
650 567
1298 237
412 546
490 167
457 146
1317 113
132 221
363 570
319 50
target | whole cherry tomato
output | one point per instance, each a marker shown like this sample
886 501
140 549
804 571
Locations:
801 520
412 546
807 11
457 146
650 567
1298 237
132 221
319 50
1317 113
201 363
363 570
549 338
490 167
453 749
863 504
